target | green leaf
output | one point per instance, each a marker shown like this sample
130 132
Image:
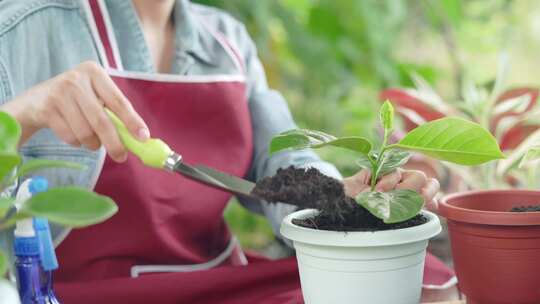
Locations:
392 160
71 206
10 134
3 264
363 162
386 115
302 139
8 162
392 207
515 158
41 164
532 156
453 139
5 205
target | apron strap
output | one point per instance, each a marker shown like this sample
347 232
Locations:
102 32
233 249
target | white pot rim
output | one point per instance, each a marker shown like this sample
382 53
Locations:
358 238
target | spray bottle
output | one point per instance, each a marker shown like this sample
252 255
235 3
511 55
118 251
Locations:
34 251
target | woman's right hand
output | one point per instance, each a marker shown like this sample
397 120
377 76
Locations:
72 106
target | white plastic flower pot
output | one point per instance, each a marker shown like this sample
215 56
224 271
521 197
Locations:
360 267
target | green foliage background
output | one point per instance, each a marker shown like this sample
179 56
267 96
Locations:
330 58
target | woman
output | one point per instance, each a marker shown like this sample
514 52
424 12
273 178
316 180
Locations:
187 73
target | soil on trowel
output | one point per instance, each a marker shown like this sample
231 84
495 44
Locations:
309 188
531 208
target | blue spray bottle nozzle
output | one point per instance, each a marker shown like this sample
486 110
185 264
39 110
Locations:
41 225
47 254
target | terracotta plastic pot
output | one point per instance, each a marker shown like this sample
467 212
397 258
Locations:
382 267
496 252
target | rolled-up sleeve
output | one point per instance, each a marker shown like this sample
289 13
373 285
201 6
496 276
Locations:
270 115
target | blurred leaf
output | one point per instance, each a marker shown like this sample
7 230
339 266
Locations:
532 156
303 138
392 207
453 139
427 72
3 264
34 165
503 69
515 157
71 206
5 204
10 134
427 95
8 162
386 115
517 104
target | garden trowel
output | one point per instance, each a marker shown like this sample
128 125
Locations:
156 154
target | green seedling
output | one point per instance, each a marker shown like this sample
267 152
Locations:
450 139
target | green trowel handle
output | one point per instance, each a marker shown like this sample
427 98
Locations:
153 152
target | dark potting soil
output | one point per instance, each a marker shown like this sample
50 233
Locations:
531 208
309 188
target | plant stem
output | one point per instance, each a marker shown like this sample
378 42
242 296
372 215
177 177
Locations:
376 165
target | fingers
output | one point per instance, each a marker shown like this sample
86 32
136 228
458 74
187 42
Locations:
107 91
357 183
389 181
417 181
430 190
103 127
79 125
414 180
60 127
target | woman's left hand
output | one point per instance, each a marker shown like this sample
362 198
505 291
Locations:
399 179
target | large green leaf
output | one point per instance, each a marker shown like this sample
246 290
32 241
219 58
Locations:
392 207
71 206
386 115
34 165
453 139
3 264
10 133
8 162
301 139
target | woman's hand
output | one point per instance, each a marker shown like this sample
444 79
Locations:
399 179
72 105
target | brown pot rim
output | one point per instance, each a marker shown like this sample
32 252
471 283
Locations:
453 213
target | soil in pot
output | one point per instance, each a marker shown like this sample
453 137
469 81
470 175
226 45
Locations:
309 188
531 208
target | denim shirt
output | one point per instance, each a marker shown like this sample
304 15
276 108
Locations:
43 38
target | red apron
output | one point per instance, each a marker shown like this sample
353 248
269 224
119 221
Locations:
169 233
168 226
